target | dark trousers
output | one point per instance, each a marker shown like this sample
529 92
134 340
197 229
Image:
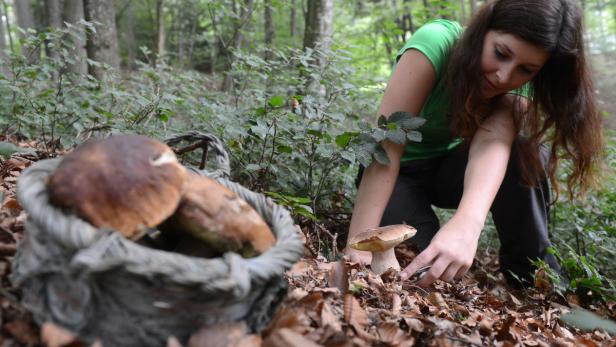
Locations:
520 213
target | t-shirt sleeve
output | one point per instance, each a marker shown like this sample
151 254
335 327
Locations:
435 40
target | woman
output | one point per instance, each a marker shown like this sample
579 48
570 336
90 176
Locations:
514 78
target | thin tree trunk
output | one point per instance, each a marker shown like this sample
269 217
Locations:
102 46
129 32
237 41
8 26
25 21
269 29
318 34
160 32
73 13
2 39
53 9
463 11
293 20
473 6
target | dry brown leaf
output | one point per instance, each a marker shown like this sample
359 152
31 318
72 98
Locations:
354 314
338 276
474 338
288 338
414 324
437 300
173 341
53 335
218 335
329 319
390 333
396 304
11 203
22 332
298 269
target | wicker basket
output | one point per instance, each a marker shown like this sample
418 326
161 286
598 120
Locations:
100 285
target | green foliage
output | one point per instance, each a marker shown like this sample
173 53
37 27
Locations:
587 320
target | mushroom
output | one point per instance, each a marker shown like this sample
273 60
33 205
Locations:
215 215
381 242
125 182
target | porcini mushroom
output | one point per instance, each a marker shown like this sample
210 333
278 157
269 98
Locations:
212 213
124 182
381 242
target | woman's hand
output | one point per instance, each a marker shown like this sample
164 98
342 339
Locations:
361 257
450 253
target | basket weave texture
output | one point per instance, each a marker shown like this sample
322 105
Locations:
100 285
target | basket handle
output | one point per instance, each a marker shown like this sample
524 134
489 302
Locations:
207 141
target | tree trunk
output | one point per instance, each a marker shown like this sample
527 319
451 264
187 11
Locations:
462 11
25 21
53 10
102 46
473 7
269 29
319 24
293 20
2 39
73 13
236 41
160 31
318 34
8 25
129 36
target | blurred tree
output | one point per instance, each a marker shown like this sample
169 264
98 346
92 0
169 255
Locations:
102 46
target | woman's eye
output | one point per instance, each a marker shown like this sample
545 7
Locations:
526 70
499 54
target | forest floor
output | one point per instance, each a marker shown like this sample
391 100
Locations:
345 304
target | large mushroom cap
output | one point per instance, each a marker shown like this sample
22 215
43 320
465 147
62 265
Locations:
383 238
124 182
217 216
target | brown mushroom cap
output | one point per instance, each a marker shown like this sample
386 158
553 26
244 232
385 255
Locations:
215 215
124 182
383 238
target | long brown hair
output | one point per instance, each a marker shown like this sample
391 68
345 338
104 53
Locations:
562 108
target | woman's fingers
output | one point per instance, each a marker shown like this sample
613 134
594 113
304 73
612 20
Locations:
436 271
424 258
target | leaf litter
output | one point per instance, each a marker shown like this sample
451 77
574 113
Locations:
340 304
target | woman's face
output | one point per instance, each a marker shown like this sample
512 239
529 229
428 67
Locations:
508 62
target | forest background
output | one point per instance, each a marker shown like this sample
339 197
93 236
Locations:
291 87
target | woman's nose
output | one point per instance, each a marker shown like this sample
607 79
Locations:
503 75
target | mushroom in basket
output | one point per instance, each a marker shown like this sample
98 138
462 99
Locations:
125 182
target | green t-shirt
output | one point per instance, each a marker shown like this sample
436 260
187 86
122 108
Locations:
435 40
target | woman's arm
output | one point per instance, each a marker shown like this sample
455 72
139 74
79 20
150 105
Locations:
453 248
407 90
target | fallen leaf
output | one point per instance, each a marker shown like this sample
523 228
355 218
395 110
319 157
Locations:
390 333
218 335
53 335
288 338
328 319
338 276
396 304
437 300
22 332
354 314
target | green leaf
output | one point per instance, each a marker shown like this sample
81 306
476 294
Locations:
381 156
414 136
379 135
343 140
382 121
397 136
398 116
411 123
586 320
7 149
284 149
261 111
276 101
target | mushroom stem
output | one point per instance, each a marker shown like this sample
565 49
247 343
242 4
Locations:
382 261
